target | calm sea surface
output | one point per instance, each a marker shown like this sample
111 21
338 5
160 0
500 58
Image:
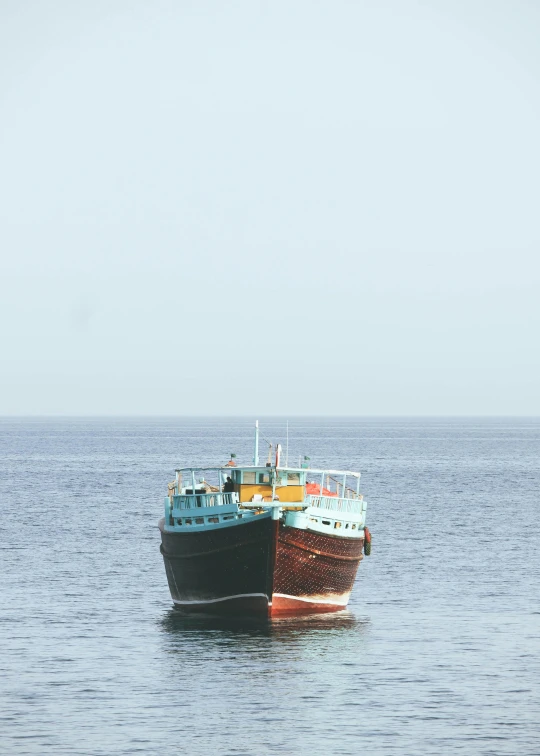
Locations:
439 652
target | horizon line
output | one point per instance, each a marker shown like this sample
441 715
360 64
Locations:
254 416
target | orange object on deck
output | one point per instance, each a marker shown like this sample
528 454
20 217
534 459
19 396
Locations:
314 489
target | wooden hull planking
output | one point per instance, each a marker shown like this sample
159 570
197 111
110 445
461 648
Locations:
260 568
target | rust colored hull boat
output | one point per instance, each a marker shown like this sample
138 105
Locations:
263 541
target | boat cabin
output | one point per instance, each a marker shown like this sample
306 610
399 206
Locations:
253 483
317 500
268 484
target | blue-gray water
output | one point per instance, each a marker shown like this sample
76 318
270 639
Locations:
439 652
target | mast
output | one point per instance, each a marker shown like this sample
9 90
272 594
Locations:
256 452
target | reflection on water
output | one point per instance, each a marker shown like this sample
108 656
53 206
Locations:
295 638
284 628
259 648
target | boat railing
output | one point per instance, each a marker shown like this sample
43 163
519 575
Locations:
335 503
346 492
213 499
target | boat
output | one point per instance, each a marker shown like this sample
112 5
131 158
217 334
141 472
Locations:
264 540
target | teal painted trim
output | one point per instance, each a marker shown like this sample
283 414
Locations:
204 501
326 521
357 517
204 511
335 503
171 510
239 519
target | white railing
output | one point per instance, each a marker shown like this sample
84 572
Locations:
194 501
335 503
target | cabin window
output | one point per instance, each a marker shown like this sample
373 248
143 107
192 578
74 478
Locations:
354 527
264 478
199 521
294 479
213 519
179 522
249 478
337 524
188 522
326 522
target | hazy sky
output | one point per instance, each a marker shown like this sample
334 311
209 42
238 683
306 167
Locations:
270 207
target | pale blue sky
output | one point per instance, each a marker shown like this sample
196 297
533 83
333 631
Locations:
279 207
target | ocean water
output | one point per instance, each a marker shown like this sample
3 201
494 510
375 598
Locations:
438 652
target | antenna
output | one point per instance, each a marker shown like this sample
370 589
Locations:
270 445
256 453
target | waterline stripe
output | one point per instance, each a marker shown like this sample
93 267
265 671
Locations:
309 600
225 598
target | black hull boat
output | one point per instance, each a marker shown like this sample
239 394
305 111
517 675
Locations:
223 570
